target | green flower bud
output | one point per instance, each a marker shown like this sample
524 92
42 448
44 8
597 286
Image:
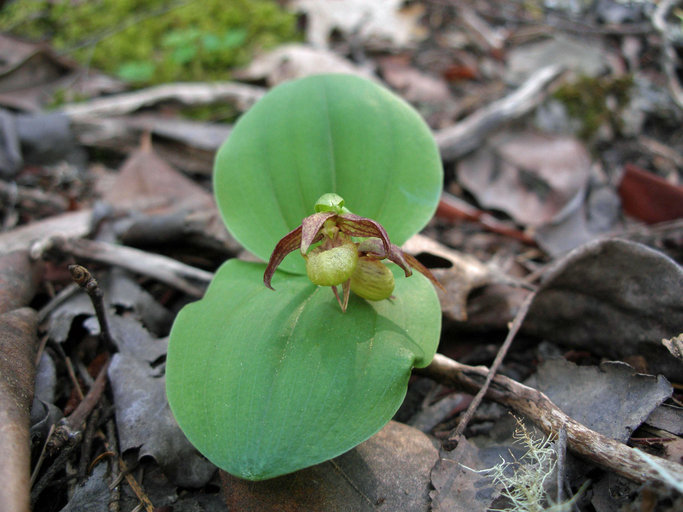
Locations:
330 267
330 203
372 280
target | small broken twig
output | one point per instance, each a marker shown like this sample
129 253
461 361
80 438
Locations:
55 467
561 451
452 208
83 278
452 441
72 424
114 487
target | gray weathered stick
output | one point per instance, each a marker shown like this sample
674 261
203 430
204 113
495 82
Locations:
189 279
469 133
242 95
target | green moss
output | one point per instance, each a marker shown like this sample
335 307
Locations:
155 41
595 101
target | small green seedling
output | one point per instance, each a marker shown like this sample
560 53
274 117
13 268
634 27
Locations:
264 383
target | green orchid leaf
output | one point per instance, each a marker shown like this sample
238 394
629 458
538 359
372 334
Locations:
326 133
264 383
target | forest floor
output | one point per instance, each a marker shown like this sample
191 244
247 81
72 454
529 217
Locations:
559 231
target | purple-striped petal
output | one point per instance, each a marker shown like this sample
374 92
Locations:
290 242
311 226
355 225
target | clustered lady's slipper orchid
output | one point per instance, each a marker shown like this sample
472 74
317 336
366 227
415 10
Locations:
340 260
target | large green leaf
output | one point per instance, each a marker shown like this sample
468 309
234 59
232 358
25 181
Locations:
326 133
264 383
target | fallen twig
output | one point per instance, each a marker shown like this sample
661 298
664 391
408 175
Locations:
561 451
115 468
83 278
189 279
452 208
585 442
55 467
452 441
242 95
468 134
187 145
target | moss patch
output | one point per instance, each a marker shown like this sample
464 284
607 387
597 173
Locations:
595 101
155 41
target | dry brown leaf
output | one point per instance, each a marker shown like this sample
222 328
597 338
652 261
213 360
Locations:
675 346
459 274
29 72
412 84
71 224
457 485
613 297
146 179
389 471
535 179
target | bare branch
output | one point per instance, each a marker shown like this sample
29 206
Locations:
587 443
242 95
469 133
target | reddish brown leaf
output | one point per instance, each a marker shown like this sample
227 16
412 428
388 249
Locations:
648 197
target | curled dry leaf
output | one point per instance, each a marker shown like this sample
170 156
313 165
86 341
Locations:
675 346
648 197
93 494
667 417
458 273
616 298
71 224
120 291
17 375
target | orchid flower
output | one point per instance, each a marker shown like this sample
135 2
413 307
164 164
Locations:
338 260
